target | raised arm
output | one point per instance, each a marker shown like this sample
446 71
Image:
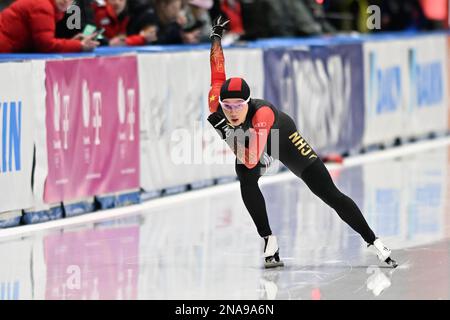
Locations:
262 120
217 63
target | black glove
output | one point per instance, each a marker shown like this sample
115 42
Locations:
219 122
218 26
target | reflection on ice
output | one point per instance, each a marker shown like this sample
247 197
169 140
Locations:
208 248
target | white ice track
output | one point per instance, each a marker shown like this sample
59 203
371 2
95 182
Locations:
203 244
390 153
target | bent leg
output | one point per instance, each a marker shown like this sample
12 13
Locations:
299 157
253 198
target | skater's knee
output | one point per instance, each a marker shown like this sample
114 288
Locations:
247 176
332 196
338 199
248 184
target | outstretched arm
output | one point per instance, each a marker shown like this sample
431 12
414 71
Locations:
262 120
217 62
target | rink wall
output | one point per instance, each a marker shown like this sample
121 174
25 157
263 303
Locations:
91 131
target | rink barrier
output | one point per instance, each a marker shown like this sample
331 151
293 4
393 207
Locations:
91 127
149 195
119 199
53 213
299 80
201 184
105 201
175 190
312 50
127 198
10 219
17 131
75 208
406 93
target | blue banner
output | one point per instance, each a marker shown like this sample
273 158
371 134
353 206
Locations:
322 88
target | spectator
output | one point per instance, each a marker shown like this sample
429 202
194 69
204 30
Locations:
112 15
233 11
29 26
142 16
170 20
281 18
318 13
348 15
399 15
436 12
256 16
198 19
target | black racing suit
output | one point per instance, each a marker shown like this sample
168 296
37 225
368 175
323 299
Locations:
280 139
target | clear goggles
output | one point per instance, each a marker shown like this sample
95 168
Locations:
232 106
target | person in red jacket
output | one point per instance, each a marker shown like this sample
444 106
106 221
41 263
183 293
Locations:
112 16
29 26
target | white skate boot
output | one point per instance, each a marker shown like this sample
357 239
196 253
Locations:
271 253
383 252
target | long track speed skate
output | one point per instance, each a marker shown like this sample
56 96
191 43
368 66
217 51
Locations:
271 253
383 252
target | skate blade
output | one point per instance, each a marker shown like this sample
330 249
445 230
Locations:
391 262
273 264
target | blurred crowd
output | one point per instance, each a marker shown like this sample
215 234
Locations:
55 25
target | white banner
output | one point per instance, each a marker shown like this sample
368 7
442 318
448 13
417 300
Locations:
427 78
171 96
40 137
406 88
178 146
17 132
386 90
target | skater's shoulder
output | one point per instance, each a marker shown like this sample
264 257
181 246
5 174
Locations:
259 103
262 112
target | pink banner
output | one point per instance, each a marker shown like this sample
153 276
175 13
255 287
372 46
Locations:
93 264
92 125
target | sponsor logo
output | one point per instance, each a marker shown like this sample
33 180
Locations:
11 137
97 118
91 102
131 114
128 117
385 87
121 104
86 96
60 118
317 90
426 81
261 124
